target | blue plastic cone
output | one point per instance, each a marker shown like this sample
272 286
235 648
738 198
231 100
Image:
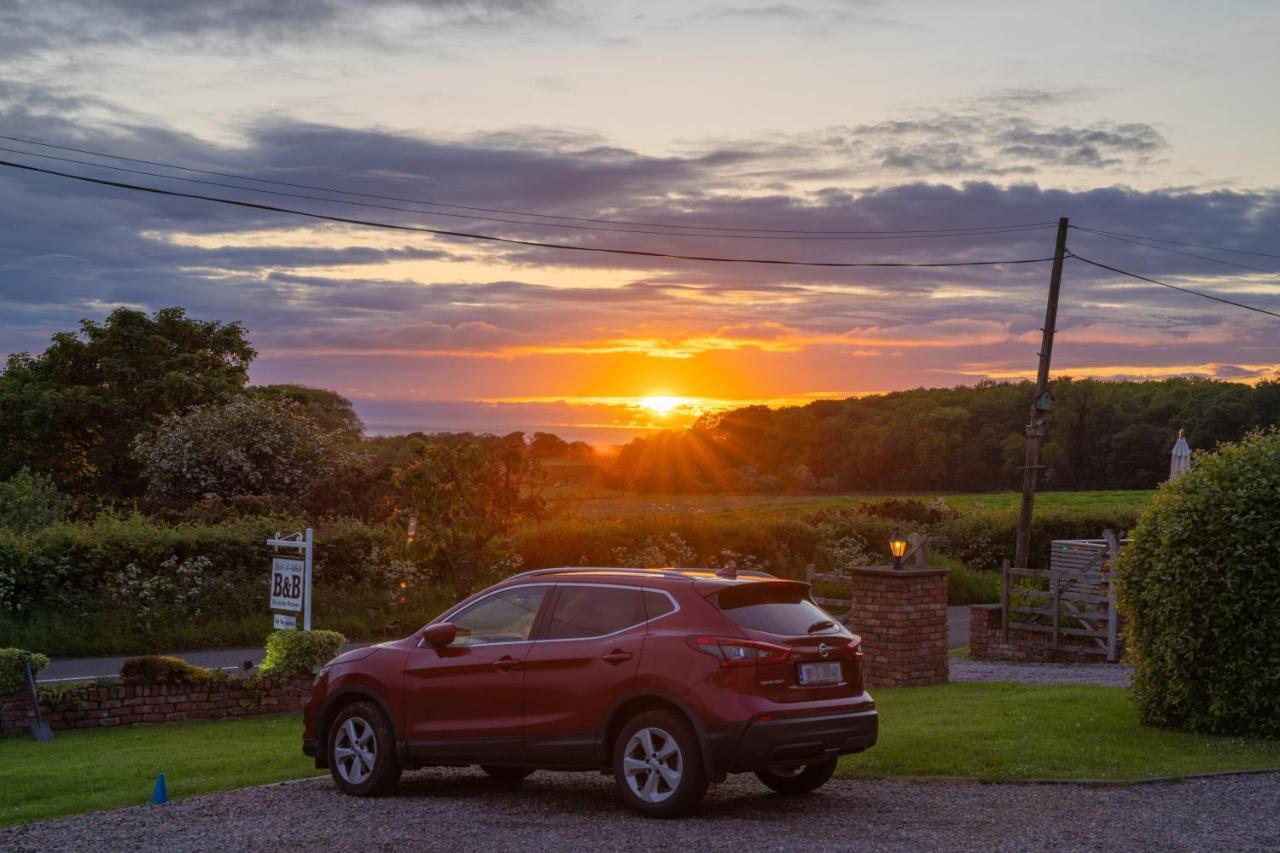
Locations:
159 796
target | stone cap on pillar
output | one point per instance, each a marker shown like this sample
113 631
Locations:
904 572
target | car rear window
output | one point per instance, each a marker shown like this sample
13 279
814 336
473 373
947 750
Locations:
778 608
593 611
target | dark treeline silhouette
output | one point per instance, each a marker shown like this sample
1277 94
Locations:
1102 435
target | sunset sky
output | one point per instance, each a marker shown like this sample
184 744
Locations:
1142 118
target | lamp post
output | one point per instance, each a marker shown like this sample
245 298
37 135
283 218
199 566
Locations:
897 547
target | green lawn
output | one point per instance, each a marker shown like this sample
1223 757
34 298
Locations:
602 503
88 770
986 731
1007 732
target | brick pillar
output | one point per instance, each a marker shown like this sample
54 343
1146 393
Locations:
901 615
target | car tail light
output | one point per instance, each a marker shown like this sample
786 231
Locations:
733 652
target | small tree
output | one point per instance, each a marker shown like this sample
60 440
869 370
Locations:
1200 585
30 501
462 497
250 446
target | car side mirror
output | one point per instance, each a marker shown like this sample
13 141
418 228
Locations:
440 635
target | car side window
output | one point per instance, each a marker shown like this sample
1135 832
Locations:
504 617
656 604
593 611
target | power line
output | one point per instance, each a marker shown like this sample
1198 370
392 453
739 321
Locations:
508 212
1174 251
1174 242
508 240
470 216
1173 286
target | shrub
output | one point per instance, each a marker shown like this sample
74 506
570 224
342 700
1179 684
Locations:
249 446
162 669
1200 585
295 653
30 501
13 675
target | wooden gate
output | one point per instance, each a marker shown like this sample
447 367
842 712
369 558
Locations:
1072 602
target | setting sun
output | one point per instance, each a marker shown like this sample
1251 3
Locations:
661 405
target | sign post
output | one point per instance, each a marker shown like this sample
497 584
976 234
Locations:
290 588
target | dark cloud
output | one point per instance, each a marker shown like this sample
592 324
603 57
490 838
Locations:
31 25
69 250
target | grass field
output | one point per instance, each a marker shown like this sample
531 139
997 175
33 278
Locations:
89 770
610 504
981 731
1008 732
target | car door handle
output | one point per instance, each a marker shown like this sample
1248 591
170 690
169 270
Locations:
617 656
506 662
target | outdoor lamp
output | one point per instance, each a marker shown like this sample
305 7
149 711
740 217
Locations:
897 547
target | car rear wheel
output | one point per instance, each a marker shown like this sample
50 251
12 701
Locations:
657 765
507 774
362 751
799 778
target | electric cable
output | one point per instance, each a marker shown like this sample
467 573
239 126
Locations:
509 240
160 164
1171 286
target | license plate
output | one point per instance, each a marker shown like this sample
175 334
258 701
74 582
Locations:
820 673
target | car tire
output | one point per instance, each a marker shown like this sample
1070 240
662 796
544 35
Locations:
362 751
657 765
798 780
510 775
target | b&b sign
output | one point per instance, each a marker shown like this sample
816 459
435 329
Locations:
286 584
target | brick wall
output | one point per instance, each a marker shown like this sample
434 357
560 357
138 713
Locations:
986 642
901 615
91 707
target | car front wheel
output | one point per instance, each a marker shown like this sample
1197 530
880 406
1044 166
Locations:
362 751
657 765
797 779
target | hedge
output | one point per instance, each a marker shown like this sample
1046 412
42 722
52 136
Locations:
128 585
1201 587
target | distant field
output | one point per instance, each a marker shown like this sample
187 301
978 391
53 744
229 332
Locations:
610 504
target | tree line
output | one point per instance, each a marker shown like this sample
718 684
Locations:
1101 435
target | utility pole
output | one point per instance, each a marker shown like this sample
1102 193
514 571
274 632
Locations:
1040 404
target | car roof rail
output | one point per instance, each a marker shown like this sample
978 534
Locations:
669 572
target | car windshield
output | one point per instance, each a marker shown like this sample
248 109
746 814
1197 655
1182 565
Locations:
778 608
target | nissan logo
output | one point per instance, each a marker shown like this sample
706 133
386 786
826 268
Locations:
823 650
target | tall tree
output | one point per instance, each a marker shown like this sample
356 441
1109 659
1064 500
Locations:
458 499
73 411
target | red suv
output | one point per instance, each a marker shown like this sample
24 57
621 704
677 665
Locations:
669 678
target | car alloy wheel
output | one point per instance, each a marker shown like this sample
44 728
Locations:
361 750
653 764
355 750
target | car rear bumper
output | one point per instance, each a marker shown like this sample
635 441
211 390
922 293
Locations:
793 739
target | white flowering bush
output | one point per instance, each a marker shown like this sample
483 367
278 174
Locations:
187 588
250 446
656 550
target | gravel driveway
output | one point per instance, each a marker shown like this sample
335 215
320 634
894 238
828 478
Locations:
1105 674
461 810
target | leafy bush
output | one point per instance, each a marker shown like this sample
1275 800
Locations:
162 669
295 653
1200 585
249 446
13 675
30 501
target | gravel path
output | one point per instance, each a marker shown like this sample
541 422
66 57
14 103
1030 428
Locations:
462 810
1105 674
